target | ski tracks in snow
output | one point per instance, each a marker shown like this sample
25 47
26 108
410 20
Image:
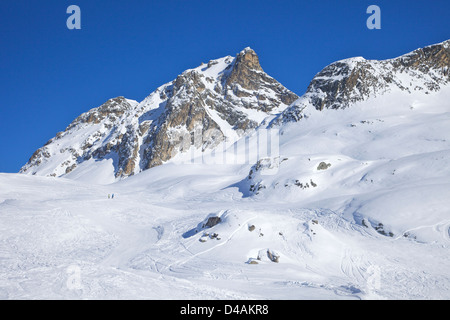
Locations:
185 260
442 228
354 266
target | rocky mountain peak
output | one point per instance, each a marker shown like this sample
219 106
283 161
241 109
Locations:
246 69
221 100
248 59
345 82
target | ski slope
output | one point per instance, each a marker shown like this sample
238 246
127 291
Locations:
375 226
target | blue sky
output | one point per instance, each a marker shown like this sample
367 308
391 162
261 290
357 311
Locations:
49 74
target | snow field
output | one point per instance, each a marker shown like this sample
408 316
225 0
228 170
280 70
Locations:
376 226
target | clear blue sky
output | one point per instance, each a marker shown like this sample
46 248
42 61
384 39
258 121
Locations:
49 74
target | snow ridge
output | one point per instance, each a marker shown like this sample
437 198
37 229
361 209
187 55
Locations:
346 82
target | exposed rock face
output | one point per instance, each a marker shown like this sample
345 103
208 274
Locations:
273 256
212 221
247 75
245 71
201 108
348 81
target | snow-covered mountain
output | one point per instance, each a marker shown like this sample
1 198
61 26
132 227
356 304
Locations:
346 82
223 99
353 205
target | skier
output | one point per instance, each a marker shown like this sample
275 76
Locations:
112 196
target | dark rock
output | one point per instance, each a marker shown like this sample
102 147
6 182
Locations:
212 221
273 256
323 166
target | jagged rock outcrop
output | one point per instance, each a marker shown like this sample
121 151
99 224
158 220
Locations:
349 81
224 99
